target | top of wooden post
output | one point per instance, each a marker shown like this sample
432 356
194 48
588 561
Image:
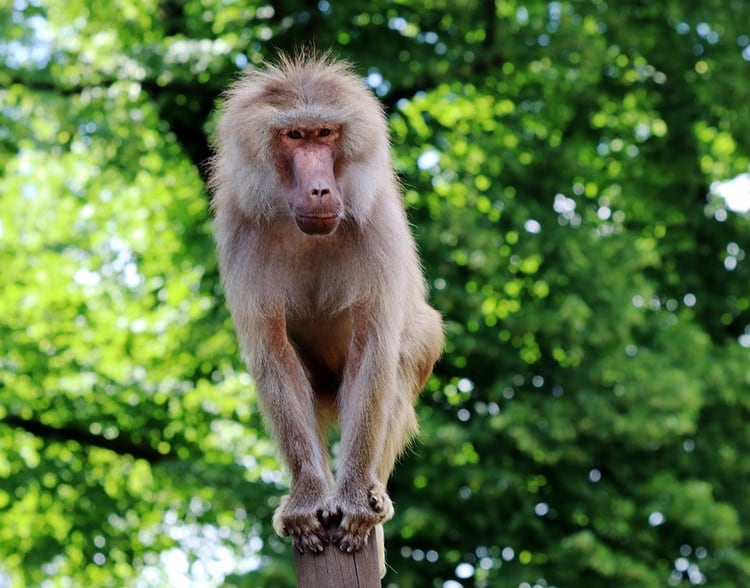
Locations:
337 569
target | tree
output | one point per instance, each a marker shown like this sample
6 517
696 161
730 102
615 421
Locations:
562 162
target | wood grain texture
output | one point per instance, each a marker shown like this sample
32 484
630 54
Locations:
337 569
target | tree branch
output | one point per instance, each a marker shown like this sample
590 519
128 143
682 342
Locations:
118 445
184 121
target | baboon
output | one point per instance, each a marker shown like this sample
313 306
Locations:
325 288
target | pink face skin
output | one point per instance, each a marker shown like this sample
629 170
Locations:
309 155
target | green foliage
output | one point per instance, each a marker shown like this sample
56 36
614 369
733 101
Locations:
562 163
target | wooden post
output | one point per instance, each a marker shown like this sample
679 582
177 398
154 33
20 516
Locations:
336 569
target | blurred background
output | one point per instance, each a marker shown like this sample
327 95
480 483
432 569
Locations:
577 176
